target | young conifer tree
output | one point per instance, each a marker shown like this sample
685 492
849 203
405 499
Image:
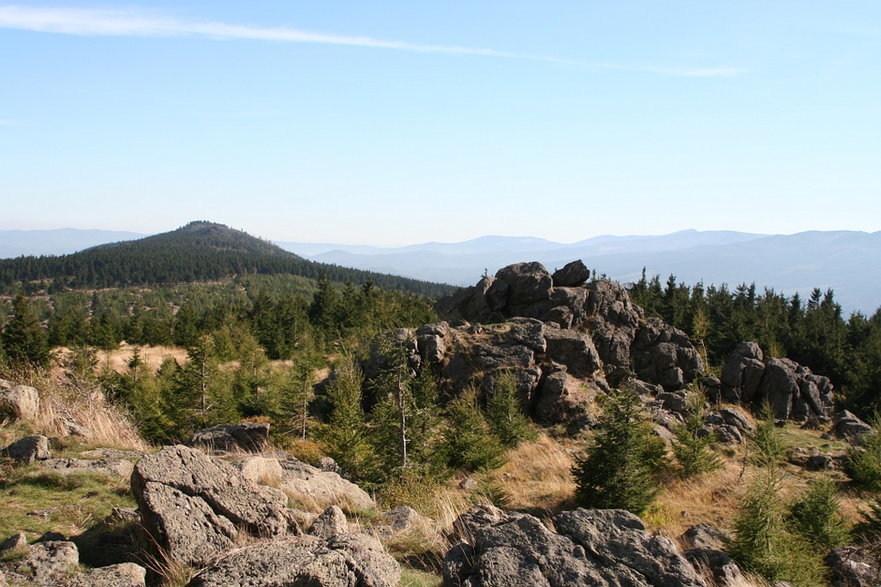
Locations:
622 460
24 340
504 413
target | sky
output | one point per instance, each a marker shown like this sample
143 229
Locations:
393 123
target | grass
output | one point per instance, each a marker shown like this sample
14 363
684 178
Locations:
416 578
35 502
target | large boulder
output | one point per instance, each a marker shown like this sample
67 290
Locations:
348 560
521 285
590 547
663 354
28 449
246 436
848 426
571 275
194 505
21 402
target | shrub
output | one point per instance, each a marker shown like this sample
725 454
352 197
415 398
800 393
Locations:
814 515
863 463
694 453
765 444
468 442
506 419
622 460
763 543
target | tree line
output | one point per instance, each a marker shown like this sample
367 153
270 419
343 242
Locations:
813 332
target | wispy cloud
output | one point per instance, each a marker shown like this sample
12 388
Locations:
132 23
119 23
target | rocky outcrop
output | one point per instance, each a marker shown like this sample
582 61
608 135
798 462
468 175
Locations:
589 547
20 402
353 560
247 437
28 449
791 389
193 505
44 563
622 341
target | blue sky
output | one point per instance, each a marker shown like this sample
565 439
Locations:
403 122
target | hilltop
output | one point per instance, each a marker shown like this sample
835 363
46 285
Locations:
198 252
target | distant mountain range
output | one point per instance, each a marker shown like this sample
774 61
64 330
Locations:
62 241
847 262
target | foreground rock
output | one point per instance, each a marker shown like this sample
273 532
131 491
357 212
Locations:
110 467
347 560
56 562
194 506
590 547
28 449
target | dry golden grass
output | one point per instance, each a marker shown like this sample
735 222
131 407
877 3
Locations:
79 409
537 476
710 498
152 356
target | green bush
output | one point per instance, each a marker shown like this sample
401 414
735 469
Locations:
468 441
863 463
622 460
765 444
504 414
815 516
763 542
694 454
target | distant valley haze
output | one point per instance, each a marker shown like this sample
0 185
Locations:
848 262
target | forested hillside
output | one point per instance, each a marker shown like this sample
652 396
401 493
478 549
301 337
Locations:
197 252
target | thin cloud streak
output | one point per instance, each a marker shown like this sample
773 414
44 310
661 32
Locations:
117 23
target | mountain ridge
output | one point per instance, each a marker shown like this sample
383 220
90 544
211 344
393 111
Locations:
197 252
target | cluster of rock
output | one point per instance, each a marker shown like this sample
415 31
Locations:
626 342
562 339
587 547
793 392
198 509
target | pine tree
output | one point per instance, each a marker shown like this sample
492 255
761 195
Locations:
623 459
24 340
346 437
469 443
504 414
